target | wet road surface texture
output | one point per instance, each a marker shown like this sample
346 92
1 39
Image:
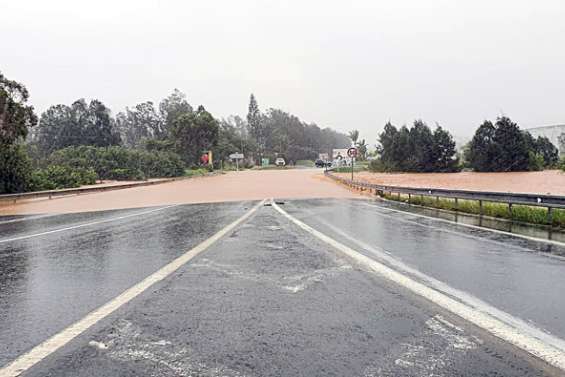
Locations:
268 299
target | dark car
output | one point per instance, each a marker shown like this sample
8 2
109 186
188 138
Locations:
320 163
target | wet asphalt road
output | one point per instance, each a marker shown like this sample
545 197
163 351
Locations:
268 299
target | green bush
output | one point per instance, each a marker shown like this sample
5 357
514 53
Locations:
126 175
308 163
15 169
114 162
377 166
59 177
535 161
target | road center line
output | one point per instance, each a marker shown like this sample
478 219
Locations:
41 351
550 353
86 224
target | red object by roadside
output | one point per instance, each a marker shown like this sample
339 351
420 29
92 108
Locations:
204 159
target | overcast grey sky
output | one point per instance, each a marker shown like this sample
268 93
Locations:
345 64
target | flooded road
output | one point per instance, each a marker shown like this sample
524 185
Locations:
268 298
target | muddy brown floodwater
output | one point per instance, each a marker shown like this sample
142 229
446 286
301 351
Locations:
233 186
539 182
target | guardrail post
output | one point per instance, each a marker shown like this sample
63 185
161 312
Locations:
510 210
549 215
50 196
409 197
481 208
456 204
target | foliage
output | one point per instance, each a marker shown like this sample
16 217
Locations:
79 124
16 117
59 177
141 123
120 162
195 133
521 213
232 138
195 172
504 147
289 137
416 149
255 124
308 163
376 165
171 108
15 169
535 161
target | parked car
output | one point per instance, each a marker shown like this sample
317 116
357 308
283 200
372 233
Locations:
280 161
320 163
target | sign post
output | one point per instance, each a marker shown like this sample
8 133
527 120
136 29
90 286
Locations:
352 153
236 157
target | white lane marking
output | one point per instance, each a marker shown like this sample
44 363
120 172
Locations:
41 351
521 337
26 218
553 242
467 298
86 224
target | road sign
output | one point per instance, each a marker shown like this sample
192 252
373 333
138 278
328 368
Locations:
236 156
352 152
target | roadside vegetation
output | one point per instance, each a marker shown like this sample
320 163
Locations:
82 142
521 213
496 147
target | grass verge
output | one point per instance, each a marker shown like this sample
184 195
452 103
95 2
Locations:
522 213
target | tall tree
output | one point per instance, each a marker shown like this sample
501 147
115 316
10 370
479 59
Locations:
545 148
512 149
172 107
443 151
16 117
81 123
139 124
194 133
482 148
255 124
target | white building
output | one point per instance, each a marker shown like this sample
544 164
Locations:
551 132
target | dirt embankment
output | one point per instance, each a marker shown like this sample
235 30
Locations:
542 182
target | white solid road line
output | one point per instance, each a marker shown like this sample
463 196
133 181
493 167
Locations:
557 243
551 354
462 296
86 224
41 351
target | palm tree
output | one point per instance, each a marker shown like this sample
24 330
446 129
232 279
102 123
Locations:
362 149
354 136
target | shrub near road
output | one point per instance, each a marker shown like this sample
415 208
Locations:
120 163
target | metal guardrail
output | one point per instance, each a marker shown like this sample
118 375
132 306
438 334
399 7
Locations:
547 201
14 198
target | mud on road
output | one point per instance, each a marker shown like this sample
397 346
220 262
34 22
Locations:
232 186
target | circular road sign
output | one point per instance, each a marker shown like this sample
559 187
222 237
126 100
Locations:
352 152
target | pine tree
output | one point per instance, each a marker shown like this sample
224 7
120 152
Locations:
255 124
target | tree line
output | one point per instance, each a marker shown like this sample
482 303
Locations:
496 147
70 145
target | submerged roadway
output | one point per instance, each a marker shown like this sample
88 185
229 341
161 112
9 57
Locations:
306 287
